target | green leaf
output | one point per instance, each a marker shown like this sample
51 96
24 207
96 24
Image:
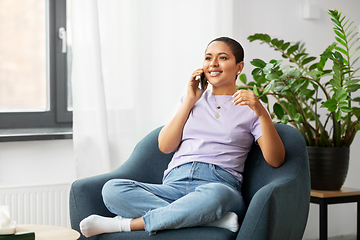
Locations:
341 50
272 76
353 52
279 87
338 116
335 21
350 33
264 99
327 55
353 87
300 55
269 87
313 66
335 83
292 110
357 99
243 79
356 59
340 95
314 74
357 127
256 71
259 79
307 60
280 43
348 25
297 87
291 72
258 63
356 111
341 41
298 118
256 90
285 46
330 104
274 41
283 89
340 34
343 104
251 38
278 110
345 109
266 38
292 49
277 63
353 41
338 56
268 68
306 92
285 119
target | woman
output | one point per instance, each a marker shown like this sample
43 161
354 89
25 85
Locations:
212 133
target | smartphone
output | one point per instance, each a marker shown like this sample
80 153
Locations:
203 82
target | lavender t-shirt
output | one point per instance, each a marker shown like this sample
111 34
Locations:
223 141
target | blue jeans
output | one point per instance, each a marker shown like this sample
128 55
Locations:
191 195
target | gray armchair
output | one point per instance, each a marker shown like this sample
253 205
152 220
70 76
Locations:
277 198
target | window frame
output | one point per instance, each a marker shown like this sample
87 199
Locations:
58 116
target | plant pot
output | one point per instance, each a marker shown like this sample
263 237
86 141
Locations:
328 167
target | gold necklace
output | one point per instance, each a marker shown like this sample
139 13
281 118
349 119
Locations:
217 115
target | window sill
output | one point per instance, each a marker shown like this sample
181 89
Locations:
34 134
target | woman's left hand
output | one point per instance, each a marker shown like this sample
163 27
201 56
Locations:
247 97
269 142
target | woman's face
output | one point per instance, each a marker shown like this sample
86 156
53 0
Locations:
220 65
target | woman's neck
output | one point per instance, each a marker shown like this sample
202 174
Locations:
224 91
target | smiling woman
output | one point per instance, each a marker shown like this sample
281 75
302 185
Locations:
210 149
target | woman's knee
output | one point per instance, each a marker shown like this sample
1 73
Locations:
113 190
218 194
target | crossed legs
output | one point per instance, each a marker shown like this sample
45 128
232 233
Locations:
154 207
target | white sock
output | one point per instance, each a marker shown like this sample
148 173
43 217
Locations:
228 221
96 224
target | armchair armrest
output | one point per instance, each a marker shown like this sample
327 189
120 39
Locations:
275 195
146 164
273 208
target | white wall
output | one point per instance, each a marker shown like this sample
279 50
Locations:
36 162
283 19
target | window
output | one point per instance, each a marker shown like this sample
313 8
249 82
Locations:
35 89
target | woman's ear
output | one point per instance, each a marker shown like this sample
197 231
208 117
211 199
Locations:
240 67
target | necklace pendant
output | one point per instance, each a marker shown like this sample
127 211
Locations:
218 107
217 115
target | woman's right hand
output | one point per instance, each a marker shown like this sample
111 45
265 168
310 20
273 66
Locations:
194 93
171 134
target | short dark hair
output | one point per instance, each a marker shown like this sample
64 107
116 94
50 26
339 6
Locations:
234 45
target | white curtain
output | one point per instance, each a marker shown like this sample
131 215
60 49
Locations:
131 63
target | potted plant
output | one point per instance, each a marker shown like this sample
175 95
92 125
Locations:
306 87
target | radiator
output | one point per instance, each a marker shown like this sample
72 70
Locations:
39 204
